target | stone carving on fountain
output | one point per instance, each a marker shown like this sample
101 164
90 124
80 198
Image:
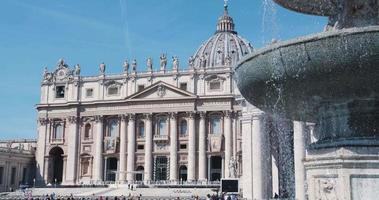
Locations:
326 188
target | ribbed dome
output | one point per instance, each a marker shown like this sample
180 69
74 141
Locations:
224 48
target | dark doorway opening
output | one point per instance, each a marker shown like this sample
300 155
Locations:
56 161
111 169
139 174
183 173
216 166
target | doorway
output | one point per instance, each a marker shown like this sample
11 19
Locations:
111 169
216 167
183 173
161 168
56 162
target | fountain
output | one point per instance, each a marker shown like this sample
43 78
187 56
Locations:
330 79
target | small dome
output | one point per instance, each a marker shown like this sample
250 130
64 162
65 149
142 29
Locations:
224 48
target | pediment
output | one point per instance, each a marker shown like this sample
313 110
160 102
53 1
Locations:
161 91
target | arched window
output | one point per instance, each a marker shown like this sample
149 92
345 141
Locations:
141 129
87 131
215 125
112 128
58 131
162 126
183 128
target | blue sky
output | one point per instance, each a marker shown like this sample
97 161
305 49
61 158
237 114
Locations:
35 33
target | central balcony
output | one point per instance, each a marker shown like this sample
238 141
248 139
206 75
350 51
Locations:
161 138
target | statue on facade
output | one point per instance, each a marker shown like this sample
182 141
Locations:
126 66
175 63
149 64
203 61
61 63
77 70
134 66
228 61
163 62
102 68
220 57
45 72
232 168
191 61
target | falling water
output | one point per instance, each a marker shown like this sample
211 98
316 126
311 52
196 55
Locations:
125 25
269 22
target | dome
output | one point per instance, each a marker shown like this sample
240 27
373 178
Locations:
224 48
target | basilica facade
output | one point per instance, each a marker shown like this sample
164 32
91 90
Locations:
180 123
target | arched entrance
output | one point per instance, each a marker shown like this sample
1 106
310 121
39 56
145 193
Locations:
183 173
139 174
56 165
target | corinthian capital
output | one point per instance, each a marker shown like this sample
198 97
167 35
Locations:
132 117
123 118
191 115
173 115
148 116
72 119
228 114
43 121
203 115
98 118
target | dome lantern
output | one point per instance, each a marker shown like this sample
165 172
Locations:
225 48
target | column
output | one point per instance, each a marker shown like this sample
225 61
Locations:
72 151
98 157
209 168
122 160
43 130
131 148
247 157
299 155
202 148
173 148
148 149
228 142
262 160
223 166
191 148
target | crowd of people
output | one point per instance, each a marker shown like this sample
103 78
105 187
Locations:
53 196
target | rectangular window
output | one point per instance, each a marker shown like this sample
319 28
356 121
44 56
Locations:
113 91
140 147
140 88
89 92
183 146
183 86
13 176
215 123
216 85
59 91
1 175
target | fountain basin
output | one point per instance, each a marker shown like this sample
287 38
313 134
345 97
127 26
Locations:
314 7
341 13
330 78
